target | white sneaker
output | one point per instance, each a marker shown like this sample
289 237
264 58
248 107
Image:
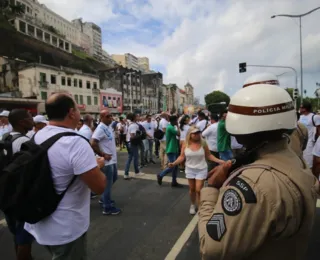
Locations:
126 177
192 209
140 174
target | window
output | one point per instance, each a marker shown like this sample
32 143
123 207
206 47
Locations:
44 95
43 77
69 81
22 27
81 100
94 85
53 79
95 100
75 82
88 100
80 83
63 81
88 85
76 97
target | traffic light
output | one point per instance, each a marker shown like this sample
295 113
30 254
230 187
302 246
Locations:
295 93
242 67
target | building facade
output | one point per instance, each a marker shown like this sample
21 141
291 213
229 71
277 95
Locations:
107 59
111 100
39 81
189 92
94 33
143 63
151 92
127 60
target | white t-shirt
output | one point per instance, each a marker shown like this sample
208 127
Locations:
86 132
123 126
202 124
163 125
183 133
107 142
150 127
5 129
316 148
307 153
132 129
235 144
16 144
69 156
211 135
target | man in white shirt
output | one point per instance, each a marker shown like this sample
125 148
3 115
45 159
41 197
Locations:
203 122
40 122
5 126
149 126
85 130
306 119
122 128
163 126
22 122
133 146
211 136
64 232
104 144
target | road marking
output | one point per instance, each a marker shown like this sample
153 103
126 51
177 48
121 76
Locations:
153 177
176 249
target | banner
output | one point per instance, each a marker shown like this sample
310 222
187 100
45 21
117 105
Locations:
112 102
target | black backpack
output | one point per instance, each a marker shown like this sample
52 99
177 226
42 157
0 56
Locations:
158 133
142 132
6 149
27 190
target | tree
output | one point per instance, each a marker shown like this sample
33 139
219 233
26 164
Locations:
9 10
216 97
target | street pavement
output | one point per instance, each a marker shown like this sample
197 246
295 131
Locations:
155 223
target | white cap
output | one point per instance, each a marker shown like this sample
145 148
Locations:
5 113
258 109
261 78
40 119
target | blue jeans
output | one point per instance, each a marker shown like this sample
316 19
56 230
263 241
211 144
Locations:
111 173
133 153
171 158
226 155
148 152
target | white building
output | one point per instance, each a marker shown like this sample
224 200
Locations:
55 23
107 59
39 81
127 60
143 63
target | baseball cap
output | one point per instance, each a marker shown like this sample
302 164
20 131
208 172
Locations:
40 119
5 113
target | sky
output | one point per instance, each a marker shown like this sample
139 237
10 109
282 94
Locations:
203 41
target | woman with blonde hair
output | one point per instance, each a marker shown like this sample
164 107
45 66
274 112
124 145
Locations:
194 152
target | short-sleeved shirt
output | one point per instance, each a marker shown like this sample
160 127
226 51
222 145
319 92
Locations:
132 129
202 124
122 126
211 136
69 156
163 124
86 132
172 145
183 132
149 127
107 143
4 129
224 140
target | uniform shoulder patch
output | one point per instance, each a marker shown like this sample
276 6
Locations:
216 227
245 189
231 202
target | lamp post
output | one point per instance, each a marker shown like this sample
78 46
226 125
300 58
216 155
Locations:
298 16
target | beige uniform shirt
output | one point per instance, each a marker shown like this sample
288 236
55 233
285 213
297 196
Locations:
299 139
261 214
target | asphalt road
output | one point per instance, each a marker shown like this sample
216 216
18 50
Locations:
153 224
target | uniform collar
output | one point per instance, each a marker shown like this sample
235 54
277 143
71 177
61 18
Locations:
273 147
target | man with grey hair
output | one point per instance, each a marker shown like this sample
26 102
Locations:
85 130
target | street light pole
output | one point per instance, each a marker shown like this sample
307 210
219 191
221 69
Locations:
300 30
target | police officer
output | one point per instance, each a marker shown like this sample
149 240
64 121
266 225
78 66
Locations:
263 210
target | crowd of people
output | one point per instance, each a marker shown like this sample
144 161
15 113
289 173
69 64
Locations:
265 205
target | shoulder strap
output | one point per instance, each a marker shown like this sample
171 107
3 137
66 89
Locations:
15 137
241 169
48 143
314 124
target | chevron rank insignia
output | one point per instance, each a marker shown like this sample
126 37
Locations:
216 227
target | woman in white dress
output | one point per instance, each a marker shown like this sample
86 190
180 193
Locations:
195 151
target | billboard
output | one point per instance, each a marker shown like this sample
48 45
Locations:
111 101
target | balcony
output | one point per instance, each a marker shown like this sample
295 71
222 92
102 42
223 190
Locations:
43 84
95 91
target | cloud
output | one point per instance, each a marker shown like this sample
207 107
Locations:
204 41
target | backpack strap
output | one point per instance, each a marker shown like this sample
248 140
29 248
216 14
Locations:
48 143
314 124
